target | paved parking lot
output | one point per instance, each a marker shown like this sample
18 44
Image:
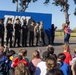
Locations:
58 46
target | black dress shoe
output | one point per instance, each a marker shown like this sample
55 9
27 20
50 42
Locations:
33 46
19 46
11 46
29 45
36 45
26 46
23 46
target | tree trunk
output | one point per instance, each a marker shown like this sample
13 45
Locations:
24 8
66 12
66 15
17 5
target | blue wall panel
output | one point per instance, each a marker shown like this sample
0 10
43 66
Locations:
46 18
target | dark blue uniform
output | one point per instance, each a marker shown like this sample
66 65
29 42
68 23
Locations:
31 35
24 35
17 34
2 34
9 29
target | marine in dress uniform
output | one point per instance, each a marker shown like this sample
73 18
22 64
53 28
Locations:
24 34
17 28
2 32
9 28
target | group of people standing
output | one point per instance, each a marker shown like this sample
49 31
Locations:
48 63
22 33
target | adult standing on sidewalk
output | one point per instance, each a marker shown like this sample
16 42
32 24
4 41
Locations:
42 33
2 32
24 34
9 28
17 28
31 34
53 33
67 32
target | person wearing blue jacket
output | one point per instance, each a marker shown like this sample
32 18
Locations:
63 66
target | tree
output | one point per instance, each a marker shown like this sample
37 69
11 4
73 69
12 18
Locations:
16 1
64 7
62 3
74 30
75 8
23 4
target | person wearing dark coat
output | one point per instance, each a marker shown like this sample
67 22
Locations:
9 28
17 28
2 29
31 34
53 33
24 34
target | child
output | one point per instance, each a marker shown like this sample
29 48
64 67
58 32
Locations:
20 58
73 66
3 62
67 54
64 66
74 55
21 69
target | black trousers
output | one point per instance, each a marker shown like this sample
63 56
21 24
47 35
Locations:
37 39
31 38
53 37
2 39
9 37
17 39
24 39
49 39
43 37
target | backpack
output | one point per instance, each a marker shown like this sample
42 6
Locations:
3 65
3 68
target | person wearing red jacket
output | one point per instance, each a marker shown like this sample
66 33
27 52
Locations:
67 54
20 58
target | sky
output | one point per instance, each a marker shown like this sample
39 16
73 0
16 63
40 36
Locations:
58 18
